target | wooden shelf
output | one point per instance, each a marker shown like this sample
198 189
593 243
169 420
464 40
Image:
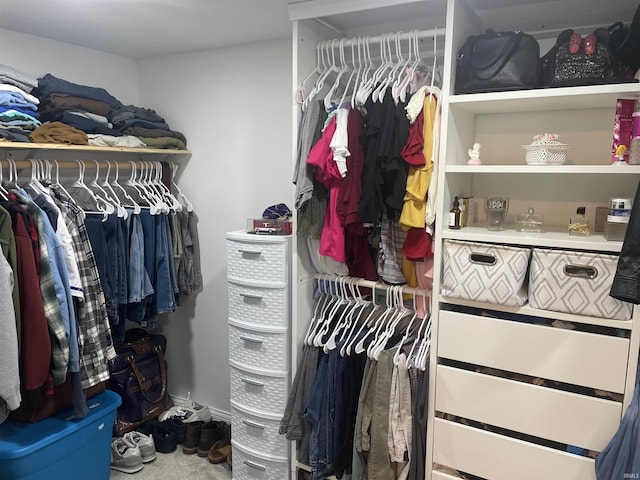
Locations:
22 146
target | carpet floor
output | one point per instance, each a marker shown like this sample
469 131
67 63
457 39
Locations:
175 466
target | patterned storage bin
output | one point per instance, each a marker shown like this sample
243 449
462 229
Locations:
485 272
575 282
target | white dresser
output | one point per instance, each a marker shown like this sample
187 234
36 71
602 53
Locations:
259 281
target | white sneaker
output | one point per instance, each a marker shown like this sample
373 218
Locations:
125 457
144 442
191 413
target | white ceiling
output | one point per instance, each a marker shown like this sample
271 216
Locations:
145 28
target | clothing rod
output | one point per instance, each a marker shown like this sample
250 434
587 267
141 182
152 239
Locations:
70 164
361 282
347 42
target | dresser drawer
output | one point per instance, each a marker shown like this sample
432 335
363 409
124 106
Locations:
258 262
569 418
578 358
261 390
258 346
257 431
250 464
498 457
259 306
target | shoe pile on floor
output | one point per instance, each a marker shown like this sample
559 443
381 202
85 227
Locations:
190 426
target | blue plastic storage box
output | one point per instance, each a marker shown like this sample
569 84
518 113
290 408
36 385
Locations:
61 447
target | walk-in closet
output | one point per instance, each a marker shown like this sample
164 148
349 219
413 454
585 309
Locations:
367 342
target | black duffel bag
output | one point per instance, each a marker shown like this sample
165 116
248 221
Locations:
497 61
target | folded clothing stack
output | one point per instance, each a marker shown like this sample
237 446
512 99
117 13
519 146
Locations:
18 107
101 116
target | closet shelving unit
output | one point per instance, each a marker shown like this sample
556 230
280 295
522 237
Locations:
488 417
314 21
534 423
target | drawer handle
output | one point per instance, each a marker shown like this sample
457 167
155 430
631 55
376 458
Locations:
253 424
252 340
253 296
580 271
249 252
482 259
257 466
255 383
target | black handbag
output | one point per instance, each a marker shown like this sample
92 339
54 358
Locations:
497 61
625 44
575 61
139 376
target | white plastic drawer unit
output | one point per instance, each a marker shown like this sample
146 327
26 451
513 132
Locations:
259 306
259 432
254 465
257 260
263 391
255 346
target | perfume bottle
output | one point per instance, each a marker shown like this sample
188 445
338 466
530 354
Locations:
455 215
529 222
580 225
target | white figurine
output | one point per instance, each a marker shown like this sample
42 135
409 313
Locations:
474 155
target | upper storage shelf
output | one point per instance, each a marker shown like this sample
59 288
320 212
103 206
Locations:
545 99
23 150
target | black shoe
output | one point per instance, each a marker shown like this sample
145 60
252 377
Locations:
178 427
164 438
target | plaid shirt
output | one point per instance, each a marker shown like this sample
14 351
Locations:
94 335
59 339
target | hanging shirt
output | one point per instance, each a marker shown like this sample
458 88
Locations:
321 156
10 397
96 345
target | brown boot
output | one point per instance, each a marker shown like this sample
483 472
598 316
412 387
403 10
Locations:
192 437
211 432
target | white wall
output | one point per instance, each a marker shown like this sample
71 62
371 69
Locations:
38 56
234 106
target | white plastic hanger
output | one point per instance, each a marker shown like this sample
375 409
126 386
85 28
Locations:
106 194
401 313
122 212
56 183
3 192
379 321
330 68
346 318
330 315
301 93
407 332
394 66
169 197
181 196
364 324
119 190
321 308
102 205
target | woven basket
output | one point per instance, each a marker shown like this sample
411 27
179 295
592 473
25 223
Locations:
546 154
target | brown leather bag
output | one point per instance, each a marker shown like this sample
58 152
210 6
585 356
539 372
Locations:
139 376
